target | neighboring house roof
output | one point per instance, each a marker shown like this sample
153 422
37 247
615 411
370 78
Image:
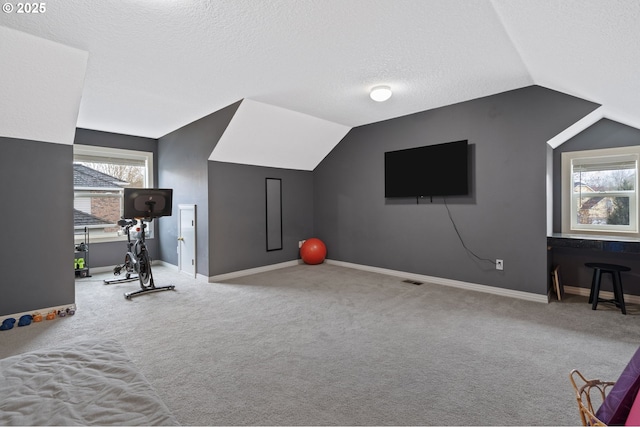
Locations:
585 187
85 177
591 202
83 219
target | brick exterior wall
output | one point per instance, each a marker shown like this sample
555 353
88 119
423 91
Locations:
107 208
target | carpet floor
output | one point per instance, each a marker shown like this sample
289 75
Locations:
329 345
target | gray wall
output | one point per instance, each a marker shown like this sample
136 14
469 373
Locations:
238 215
116 140
341 202
505 217
183 166
230 201
108 254
603 134
37 218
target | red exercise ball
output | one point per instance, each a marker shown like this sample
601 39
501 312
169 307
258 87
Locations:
313 251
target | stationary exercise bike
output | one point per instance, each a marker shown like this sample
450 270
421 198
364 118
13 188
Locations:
137 259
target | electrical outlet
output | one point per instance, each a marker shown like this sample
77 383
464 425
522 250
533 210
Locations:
300 243
499 264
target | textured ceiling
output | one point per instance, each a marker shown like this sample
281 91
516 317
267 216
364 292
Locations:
157 65
41 86
586 48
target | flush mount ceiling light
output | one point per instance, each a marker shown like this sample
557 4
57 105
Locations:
380 93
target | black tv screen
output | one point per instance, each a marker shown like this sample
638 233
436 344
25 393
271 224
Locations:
432 170
147 202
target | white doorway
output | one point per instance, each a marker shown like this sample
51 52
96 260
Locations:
187 239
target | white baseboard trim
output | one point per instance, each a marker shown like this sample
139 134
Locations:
175 267
250 271
42 311
576 290
109 269
101 269
447 282
396 273
164 264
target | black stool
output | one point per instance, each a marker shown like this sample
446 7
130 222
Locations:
614 270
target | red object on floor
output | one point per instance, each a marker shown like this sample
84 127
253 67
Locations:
313 251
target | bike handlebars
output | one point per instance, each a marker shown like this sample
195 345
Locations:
126 222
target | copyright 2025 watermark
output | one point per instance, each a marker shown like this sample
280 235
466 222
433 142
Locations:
25 8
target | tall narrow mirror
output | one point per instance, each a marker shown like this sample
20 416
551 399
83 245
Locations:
273 191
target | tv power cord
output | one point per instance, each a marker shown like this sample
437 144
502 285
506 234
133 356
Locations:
455 227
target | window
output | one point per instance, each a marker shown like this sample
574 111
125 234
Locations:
100 175
599 191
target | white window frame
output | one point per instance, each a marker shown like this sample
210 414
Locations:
569 205
96 151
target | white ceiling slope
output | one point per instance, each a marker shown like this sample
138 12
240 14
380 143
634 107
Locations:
263 135
41 86
157 65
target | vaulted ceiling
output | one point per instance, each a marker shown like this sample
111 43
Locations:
153 66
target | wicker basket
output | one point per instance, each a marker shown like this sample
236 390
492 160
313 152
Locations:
589 393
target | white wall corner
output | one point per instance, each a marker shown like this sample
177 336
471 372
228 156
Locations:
266 135
577 127
549 189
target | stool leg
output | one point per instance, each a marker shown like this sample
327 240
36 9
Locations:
593 285
617 286
597 274
614 282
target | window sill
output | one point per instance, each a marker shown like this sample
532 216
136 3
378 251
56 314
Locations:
94 240
603 237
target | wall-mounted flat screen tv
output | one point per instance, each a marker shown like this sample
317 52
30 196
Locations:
432 170
147 202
